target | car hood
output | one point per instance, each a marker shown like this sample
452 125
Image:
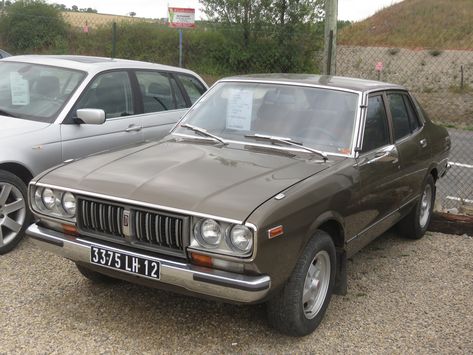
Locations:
228 182
15 126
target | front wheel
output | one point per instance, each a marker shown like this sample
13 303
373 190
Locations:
415 224
299 307
14 212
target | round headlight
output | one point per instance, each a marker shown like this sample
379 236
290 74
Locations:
211 232
69 203
48 198
241 238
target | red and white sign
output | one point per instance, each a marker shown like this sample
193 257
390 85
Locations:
379 66
181 18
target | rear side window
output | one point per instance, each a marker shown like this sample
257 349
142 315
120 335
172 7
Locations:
414 122
193 87
156 91
399 115
376 133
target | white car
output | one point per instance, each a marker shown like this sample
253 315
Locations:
56 108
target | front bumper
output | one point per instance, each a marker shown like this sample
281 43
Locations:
197 280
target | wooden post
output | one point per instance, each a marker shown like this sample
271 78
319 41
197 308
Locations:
330 47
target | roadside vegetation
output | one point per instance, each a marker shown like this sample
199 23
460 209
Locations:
249 37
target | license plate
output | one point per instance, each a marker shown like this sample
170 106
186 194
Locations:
125 262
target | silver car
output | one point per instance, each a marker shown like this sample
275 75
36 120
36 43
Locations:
56 108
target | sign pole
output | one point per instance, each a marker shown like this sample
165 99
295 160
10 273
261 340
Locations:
180 47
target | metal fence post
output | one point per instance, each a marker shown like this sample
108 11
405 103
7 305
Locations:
330 47
180 47
114 39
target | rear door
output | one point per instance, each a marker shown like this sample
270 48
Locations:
162 102
411 142
377 195
112 92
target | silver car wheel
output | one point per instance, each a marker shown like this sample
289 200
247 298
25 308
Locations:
316 284
425 206
12 213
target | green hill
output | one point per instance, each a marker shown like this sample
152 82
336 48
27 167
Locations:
439 24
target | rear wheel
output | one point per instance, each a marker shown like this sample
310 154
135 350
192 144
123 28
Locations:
415 224
95 277
14 212
299 307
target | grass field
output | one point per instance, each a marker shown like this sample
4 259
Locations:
435 24
81 19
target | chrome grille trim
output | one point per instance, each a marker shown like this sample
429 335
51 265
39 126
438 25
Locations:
147 228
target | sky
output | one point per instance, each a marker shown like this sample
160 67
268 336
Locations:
353 10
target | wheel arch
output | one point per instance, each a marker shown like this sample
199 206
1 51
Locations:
332 223
19 170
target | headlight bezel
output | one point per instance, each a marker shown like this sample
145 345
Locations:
225 245
57 209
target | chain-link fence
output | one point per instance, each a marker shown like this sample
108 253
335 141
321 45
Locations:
441 79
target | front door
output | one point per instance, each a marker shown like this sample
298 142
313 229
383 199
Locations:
111 92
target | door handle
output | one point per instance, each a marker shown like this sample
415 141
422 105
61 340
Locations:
133 128
423 143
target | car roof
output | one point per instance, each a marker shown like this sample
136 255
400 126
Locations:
336 82
91 64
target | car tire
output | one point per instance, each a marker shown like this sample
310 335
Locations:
415 224
95 277
15 214
298 308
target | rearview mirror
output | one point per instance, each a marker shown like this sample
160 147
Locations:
91 116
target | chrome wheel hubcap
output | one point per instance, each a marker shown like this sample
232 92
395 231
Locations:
316 284
12 212
425 206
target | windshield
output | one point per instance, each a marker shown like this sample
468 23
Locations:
315 117
35 92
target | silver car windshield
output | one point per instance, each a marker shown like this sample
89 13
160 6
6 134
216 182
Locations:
35 92
319 118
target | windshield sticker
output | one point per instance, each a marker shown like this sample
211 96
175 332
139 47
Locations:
239 109
20 90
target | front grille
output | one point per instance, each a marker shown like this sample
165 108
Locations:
158 229
128 224
101 217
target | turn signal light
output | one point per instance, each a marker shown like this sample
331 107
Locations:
68 229
275 232
202 260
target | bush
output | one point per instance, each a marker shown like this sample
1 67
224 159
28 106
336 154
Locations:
32 26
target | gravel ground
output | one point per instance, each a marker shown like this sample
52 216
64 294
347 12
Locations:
404 297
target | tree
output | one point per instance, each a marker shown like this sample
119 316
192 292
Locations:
75 8
31 26
132 14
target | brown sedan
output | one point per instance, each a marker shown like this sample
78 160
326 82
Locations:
260 193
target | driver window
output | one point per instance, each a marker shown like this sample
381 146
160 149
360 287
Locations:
110 92
376 133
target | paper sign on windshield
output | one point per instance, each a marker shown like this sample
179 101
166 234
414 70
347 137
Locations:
239 110
20 90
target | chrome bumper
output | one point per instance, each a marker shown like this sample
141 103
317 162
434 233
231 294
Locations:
215 283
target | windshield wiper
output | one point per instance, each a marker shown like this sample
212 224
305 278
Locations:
204 133
287 141
6 113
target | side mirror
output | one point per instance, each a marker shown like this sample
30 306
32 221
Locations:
91 116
